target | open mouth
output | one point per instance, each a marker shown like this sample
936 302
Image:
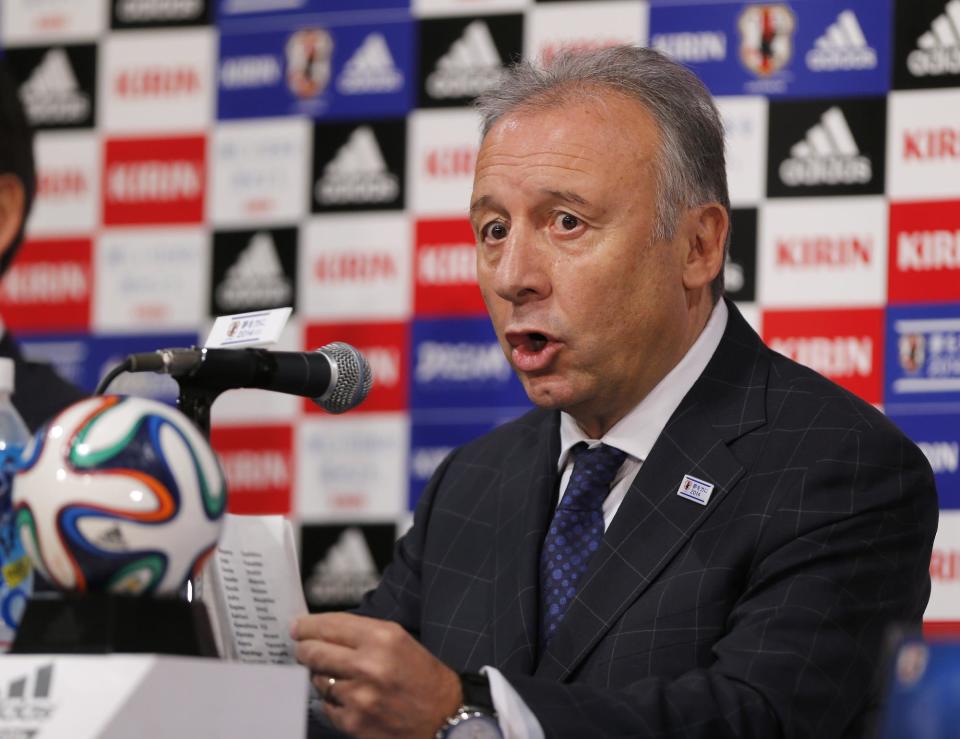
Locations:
536 341
527 341
532 351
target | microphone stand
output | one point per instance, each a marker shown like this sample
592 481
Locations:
199 390
194 402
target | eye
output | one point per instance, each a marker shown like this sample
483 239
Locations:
567 222
494 231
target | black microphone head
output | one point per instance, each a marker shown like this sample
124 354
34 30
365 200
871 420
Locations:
353 378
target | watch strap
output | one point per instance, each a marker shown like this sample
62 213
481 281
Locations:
476 692
477 704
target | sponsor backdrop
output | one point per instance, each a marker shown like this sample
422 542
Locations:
202 157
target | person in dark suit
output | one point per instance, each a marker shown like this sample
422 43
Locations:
40 392
692 536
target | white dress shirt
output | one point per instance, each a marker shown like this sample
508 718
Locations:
635 434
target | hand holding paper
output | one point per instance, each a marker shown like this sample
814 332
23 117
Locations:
376 679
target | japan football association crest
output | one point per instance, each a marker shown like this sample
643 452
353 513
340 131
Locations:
912 349
308 61
766 38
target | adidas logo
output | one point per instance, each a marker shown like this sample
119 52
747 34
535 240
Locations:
22 705
827 156
358 173
938 50
112 539
42 678
371 69
842 47
345 574
469 67
256 278
733 277
51 93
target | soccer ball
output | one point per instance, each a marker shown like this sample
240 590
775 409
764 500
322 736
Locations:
120 495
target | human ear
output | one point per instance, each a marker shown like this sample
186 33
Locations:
706 235
13 198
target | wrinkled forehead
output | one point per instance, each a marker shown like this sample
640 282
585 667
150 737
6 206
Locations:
593 138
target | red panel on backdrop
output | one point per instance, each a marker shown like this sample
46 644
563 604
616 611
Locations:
935 629
846 345
386 347
445 269
258 463
154 181
49 286
924 252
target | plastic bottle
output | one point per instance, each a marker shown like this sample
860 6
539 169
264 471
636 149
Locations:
16 575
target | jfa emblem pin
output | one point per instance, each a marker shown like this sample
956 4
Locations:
696 490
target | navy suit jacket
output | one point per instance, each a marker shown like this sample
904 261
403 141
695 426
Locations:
759 614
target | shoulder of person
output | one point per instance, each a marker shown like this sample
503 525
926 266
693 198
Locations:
518 439
523 433
830 422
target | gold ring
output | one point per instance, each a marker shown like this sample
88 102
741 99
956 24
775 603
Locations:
327 697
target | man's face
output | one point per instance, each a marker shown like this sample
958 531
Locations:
589 312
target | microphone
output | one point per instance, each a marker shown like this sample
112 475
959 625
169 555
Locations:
337 376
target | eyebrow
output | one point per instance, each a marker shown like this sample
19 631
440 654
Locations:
482 202
567 196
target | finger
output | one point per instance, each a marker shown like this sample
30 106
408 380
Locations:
326 658
342 712
337 713
329 688
347 629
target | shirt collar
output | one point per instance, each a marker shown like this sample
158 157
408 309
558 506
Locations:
637 431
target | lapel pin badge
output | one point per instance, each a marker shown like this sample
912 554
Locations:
694 489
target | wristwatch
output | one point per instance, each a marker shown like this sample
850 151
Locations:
476 718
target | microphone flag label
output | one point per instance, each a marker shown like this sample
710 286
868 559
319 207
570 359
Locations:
259 328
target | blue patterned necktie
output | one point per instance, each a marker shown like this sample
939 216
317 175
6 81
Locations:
575 532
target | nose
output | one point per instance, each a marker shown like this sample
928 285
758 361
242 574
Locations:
521 269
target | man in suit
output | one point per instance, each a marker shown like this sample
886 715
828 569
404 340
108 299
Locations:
40 392
757 530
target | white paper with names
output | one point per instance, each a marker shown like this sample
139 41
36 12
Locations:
252 588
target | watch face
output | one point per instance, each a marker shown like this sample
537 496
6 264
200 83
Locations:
477 726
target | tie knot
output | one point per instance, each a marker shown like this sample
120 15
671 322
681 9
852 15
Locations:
593 471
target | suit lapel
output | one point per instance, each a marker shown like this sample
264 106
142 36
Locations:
653 522
525 505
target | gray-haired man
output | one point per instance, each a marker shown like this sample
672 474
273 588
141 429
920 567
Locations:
692 536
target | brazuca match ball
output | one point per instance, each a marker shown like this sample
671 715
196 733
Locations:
121 495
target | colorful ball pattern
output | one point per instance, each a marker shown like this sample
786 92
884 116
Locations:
121 495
